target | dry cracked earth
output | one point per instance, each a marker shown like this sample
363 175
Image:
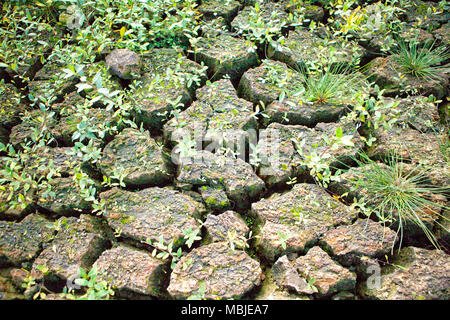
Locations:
329 252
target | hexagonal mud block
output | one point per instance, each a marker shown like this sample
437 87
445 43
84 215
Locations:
64 197
241 184
124 63
223 8
10 105
215 198
363 238
310 12
59 159
292 220
225 55
415 273
389 75
34 121
151 213
418 13
228 226
287 277
141 158
131 270
282 148
12 205
22 241
261 83
223 272
303 48
329 277
416 112
407 144
78 243
279 158
214 27
218 116
268 12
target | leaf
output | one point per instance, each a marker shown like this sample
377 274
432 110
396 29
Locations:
339 132
83 86
82 282
122 32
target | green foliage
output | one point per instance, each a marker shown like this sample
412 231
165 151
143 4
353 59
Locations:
399 196
94 289
421 61
335 85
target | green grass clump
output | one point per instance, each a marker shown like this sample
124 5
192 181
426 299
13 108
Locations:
399 196
422 62
335 85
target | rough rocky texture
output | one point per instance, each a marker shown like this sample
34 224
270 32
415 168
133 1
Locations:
408 144
278 154
10 106
329 277
211 9
218 116
228 227
128 269
287 277
268 11
303 48
225 273
61 132
58 159
236 176
95 119
124 63
310 12
151 213
22 241
214 27
296 111
443 34
64 198
156 93
389 76
215 198
78 243
418 13
301 215
363 238
225 55
282 147
415 273
260 83
14 210
141 158
416 112
313 141
34 121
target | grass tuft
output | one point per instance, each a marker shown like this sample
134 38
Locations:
422 62
400 196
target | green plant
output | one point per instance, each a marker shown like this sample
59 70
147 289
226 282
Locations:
94 289
421 61
336 85
399 195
